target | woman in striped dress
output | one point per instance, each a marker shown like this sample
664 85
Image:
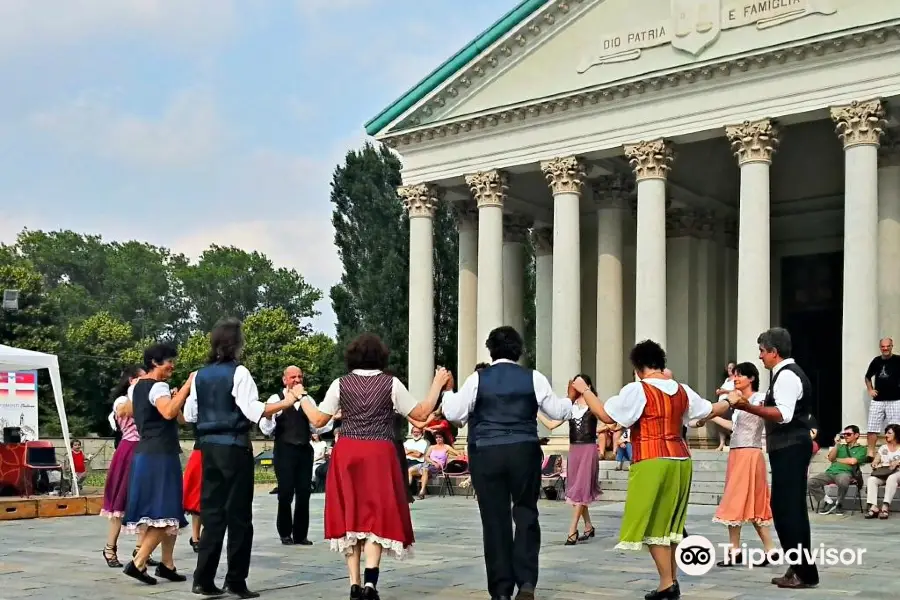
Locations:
365 492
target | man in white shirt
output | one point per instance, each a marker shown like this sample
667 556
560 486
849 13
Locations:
786 411
224 403
293 458
501 403
415 448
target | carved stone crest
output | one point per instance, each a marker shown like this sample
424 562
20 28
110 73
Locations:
698 24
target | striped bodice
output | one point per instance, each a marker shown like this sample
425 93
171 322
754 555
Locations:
127 426
657 434
367 406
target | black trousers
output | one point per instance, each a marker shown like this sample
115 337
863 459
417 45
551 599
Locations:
226 503
504 475
789 512
293 469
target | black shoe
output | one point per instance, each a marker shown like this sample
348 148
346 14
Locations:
195 546
171 574
673 592
355 592
370 593
304 542
526 592
132 571
732 560
287 541
504 597
240 591
207 590
588 533
572 539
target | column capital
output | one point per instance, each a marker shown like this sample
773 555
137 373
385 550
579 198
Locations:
613 191
650 160
466 213
515 228
565 175
489 188
690 222
420 199
859 123
753 141
542 240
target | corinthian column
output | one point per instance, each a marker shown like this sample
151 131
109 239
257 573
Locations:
889 238
489 189
514 231
753 145
859 125
566 177
612 195
421 201
542 239
651 162
467 302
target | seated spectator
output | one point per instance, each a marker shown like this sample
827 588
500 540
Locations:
845 456
605 439
623 448
885 472
321 452
437 424
436 458
416 447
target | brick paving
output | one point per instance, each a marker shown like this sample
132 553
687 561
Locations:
60 558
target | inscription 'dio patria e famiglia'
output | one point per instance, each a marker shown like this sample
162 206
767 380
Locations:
696 24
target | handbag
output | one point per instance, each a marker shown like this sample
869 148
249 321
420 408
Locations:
882 472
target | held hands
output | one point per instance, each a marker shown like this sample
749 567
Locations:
571 392
580 385
737 400
443 379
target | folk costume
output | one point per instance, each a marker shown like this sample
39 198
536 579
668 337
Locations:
659 480
293 457
224 404
583 466
115 492
501 403
193 478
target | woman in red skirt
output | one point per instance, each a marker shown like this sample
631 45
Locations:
193 477
365 492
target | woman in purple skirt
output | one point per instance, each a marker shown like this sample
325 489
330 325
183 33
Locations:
115 492
583 466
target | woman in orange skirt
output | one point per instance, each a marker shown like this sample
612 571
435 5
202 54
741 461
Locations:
193 477
746 498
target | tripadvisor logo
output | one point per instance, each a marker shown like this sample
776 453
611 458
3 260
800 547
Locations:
696 555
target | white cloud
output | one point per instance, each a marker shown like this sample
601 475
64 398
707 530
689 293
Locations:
27 25
189 130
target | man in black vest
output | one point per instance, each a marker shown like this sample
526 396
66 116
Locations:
501 403
786 412
293 457
224 403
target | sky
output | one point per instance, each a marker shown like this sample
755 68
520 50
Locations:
184 123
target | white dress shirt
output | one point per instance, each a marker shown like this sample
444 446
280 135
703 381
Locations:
628 406
267 424
457 406
402 399
245 394
320 449
787 391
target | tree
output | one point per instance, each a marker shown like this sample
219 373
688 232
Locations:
94 357
372 237
446 287
229 282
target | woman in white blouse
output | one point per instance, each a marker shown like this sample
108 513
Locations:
885 472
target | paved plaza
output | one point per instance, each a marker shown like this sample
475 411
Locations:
60 558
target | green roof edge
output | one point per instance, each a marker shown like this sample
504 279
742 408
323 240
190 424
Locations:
452 65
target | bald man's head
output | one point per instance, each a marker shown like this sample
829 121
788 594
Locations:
292 376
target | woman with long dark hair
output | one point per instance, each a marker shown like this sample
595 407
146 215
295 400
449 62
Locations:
115 491
583 466
366 490
154 505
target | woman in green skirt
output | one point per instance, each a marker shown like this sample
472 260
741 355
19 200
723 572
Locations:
659 483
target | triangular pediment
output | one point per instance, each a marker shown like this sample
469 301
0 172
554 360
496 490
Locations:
566 47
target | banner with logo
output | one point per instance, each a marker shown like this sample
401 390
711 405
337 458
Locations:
19 402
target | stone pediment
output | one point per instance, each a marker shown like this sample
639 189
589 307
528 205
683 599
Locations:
570 47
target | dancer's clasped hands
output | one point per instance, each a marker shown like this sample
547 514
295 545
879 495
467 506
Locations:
737 400
443 379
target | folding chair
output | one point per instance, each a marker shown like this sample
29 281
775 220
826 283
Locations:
459 470
854 482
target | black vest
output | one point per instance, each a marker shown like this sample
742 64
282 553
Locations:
219 420
291 426
583 430
158 434
505 407
795 431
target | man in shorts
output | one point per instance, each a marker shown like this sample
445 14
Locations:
883 385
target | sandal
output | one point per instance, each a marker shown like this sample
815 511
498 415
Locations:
588 533
885 512
872 514
111 558
572 539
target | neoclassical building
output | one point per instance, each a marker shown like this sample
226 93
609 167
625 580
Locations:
690 171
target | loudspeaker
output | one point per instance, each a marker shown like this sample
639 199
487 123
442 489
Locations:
12 435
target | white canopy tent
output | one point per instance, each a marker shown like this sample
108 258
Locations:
16 359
